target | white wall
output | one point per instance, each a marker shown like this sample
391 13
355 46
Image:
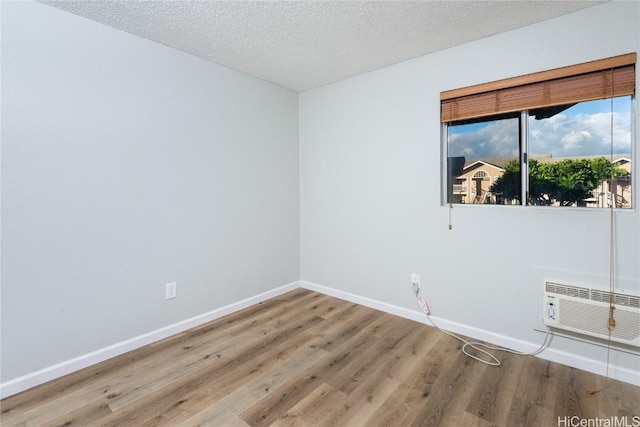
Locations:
370 161
127 165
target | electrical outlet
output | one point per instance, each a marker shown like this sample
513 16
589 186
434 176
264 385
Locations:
171 290
415 282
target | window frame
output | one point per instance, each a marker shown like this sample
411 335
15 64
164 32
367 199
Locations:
604 67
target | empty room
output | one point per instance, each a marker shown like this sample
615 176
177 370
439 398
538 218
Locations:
319 213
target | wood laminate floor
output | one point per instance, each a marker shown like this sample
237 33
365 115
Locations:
307 359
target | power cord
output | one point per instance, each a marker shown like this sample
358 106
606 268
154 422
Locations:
494 361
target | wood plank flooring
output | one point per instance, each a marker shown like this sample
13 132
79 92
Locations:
307 359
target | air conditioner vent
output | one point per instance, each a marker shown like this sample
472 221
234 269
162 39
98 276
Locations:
570 291
618 299
586 311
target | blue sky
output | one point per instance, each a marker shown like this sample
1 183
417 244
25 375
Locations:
620 105
584 129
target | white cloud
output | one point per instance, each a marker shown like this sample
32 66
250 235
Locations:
562 135
496 139
583 134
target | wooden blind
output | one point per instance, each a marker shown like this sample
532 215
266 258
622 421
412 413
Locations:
600 79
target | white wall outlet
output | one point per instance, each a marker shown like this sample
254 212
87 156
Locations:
415 282
171 290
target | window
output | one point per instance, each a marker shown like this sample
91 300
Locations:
556 138
477 150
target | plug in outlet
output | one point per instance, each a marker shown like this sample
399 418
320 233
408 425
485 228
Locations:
424 306
415 282
171 290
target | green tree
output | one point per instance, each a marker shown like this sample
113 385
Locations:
507 186
566 182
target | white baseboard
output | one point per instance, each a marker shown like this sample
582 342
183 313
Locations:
590 365
33 379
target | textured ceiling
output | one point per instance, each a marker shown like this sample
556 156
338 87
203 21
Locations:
305 44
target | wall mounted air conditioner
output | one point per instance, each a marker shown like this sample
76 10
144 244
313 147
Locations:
586 311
